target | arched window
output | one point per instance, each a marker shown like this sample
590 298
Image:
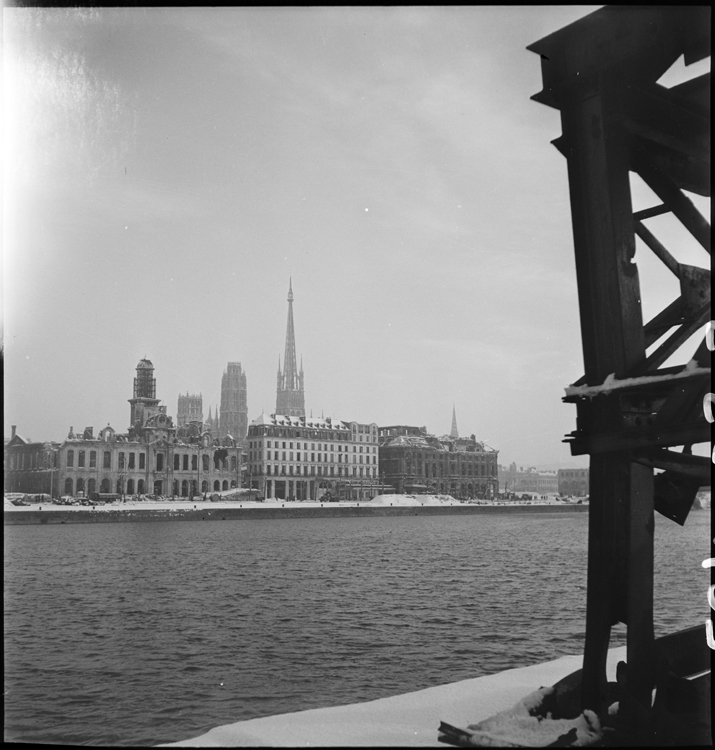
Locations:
233 484
140 487
130 487
160 462
104 486
204 486
177 460
175 489
233 463
70 460
217 486
107 462
93 459
205 462
158 487
80 485
119 487
91 486
224 486
68 486
184 489
193 488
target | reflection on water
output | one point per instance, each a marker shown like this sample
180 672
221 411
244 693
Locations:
145 633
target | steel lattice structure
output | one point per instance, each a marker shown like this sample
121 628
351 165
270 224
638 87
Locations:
601 73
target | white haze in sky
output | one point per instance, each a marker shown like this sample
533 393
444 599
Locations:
167 171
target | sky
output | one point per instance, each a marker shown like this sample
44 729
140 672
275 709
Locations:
169 170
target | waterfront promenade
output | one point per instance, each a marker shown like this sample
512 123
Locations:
384 505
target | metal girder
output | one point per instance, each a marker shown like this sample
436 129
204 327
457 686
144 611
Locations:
601 73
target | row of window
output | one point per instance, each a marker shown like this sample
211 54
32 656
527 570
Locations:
257 444
312 471
106 460
180 462
314 434
27 461
322 457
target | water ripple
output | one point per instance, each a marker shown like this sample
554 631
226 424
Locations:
134 634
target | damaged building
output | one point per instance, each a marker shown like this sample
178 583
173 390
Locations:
413 461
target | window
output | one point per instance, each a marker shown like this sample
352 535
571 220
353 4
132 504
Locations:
132 464
68 486
186 462
233 463
160 462
205 462
93 459
122 460
177 464
130 485
142 464
194 462
107 461
70 463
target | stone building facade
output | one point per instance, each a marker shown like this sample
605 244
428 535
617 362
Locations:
413 461
573 482
149 459
30 467
530 479
311 459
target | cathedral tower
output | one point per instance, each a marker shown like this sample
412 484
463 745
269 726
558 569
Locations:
189 409
290 398
233 418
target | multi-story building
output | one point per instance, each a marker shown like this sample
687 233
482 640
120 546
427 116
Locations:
299 458
573 482
413 461
530 479
290 394
233 420
30 467
151 458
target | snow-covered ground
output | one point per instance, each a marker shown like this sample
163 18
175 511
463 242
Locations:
409 720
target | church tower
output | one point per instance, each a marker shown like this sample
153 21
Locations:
290 399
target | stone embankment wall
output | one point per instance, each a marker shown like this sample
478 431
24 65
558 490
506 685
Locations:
25 517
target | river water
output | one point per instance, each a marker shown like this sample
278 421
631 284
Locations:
140 633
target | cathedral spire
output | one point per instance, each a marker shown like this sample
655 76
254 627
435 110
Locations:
454 432
290 399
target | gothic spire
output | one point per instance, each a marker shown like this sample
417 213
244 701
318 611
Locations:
290 399
290 372
454 432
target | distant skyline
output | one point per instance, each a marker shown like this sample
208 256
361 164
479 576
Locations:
167 170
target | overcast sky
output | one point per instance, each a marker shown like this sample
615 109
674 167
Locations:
168 170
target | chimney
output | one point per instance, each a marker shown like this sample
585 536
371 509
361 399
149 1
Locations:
14 430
